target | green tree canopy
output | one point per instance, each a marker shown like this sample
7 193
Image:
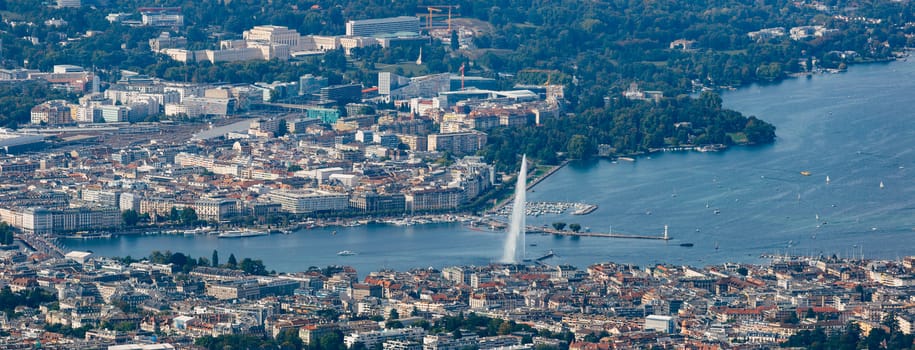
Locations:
130 217
232 262
6 233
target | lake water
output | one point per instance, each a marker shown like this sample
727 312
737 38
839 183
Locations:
856 128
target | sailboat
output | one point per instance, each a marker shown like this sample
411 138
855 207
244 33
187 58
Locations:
881 185
827 178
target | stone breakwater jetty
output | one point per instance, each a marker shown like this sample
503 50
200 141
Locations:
546 175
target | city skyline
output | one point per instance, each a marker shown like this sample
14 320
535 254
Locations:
472 175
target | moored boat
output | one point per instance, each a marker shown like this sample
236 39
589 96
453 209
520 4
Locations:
241 234
89 235
198 230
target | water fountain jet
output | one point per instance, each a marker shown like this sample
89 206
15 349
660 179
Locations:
513 251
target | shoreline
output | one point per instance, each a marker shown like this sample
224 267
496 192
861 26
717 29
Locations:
357 221
631 157
530 185
737 258
304 226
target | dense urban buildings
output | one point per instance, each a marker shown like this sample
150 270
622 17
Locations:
250 128
605 305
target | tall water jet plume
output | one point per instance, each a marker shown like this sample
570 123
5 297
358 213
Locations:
513 251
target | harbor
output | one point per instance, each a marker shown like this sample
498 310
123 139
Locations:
762 200
554 208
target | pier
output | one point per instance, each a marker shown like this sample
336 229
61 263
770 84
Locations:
534 229
495 225
585 209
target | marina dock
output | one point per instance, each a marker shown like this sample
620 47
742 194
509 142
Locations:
542 208
585 209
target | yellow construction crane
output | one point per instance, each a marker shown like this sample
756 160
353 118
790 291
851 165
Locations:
437 9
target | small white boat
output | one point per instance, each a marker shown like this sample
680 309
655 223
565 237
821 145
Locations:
881 185
827 178
346 253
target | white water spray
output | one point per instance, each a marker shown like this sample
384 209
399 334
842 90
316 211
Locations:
514 244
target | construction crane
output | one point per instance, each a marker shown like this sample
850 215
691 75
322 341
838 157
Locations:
429 18
437 9
462 76
549 73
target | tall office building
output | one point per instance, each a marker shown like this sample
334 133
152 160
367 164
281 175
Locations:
69 3
384 83
379 26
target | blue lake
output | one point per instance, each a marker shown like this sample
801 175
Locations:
856 128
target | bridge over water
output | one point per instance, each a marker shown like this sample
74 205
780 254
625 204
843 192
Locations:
42 244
